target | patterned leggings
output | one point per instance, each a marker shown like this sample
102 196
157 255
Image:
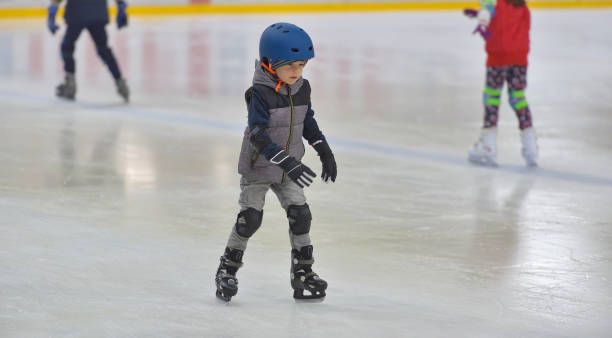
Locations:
516 76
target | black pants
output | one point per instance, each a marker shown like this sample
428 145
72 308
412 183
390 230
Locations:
98 34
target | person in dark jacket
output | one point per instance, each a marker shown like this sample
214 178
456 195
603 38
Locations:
504 24
91 15
279 115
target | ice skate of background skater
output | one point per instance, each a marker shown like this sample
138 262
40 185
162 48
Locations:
279 116
504 24
91 15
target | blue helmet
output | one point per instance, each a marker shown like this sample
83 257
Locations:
285 41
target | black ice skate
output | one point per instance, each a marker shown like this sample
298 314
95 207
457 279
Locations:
67 90
122 89
303 278
227 283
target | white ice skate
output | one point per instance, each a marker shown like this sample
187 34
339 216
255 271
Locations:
484 151
530 147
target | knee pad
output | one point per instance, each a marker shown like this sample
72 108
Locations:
491 96
248 222
259 138
517 99
299 219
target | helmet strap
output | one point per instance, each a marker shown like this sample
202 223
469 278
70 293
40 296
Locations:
268 67
280 82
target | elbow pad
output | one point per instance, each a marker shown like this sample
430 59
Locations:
259 138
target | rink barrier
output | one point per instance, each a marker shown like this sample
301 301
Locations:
263 8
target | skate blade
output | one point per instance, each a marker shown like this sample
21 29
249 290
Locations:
225 294
65 98
309 300
223 298
483 161
300 297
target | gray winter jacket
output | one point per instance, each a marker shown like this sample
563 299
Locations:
286 112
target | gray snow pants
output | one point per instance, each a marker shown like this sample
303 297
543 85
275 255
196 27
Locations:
253 195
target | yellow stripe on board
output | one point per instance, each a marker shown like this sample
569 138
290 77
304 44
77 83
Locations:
204 9
22 12
297 8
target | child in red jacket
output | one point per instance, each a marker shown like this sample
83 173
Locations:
504 24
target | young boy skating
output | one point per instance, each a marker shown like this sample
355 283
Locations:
279 115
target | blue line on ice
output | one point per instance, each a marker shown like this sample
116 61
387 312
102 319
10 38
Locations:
354 145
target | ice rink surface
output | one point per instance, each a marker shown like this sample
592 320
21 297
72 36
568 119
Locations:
113 216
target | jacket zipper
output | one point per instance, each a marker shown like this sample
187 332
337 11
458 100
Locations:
290 129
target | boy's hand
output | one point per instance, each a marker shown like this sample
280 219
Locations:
51 13
470 13
122 19
296 170
483 31
330 169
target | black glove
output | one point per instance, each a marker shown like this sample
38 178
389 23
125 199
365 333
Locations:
296 170
122 18
327 159
51 13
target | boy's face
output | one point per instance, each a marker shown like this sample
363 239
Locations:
290 73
